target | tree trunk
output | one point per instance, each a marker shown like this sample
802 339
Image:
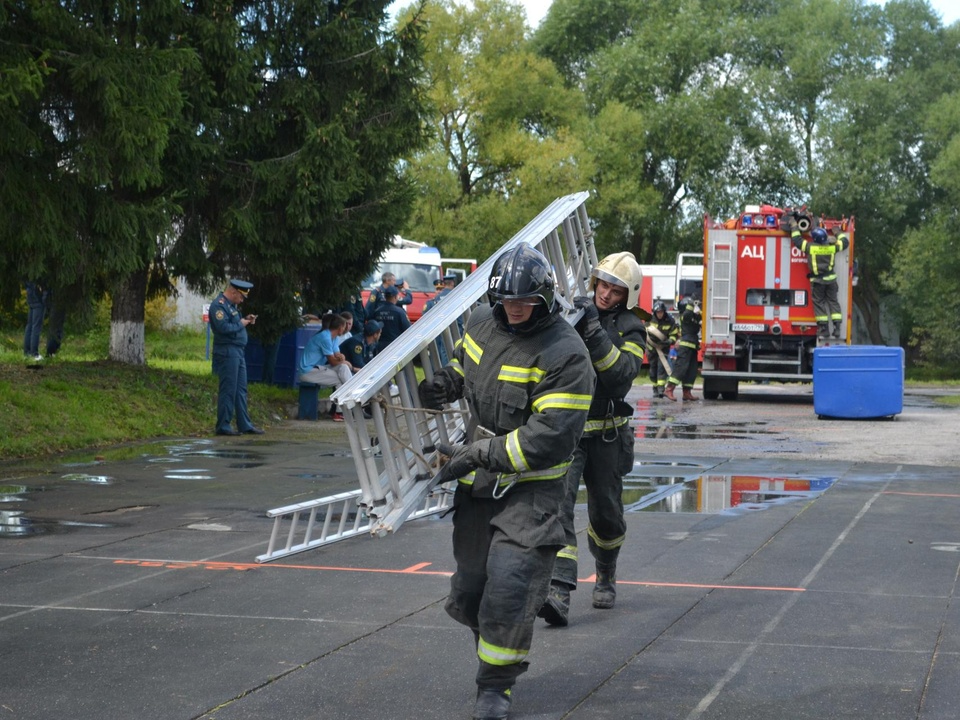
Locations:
867 300
126 319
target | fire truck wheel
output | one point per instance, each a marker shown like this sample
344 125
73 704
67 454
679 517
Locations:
731 394
711 394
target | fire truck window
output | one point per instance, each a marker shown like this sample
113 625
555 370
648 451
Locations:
691 288
765 296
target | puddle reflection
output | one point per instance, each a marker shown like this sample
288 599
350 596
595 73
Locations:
14 524
12 493
88 479
714 494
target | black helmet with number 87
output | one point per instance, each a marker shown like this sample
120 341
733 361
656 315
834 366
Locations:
522 272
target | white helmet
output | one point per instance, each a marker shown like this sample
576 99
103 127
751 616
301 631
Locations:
620 269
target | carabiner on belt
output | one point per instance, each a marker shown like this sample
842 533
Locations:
609 424
498 493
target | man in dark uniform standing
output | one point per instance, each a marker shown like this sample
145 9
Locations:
391 316
229 341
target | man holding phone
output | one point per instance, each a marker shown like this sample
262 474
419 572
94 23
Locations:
229 364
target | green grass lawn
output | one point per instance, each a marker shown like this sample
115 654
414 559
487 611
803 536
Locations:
78 400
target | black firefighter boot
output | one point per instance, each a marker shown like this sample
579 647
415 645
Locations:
492 704
556 607
605 591
823 330
836 328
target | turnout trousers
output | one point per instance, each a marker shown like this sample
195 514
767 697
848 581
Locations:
602 459
505 551
685 367
659 373
826 303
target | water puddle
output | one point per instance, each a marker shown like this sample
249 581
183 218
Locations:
718 494
12 493
14 524
222 453
88 479
188 474
688 431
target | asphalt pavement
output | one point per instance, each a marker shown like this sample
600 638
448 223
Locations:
752 585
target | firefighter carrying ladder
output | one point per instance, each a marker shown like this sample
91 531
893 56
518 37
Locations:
396 462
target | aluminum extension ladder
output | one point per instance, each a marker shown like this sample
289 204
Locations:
396 462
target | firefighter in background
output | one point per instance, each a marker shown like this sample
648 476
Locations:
685 366
527 380
614 336
821 251
662 332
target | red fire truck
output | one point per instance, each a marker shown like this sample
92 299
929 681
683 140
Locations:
758 321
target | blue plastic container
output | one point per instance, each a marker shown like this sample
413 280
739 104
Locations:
286 361
858 381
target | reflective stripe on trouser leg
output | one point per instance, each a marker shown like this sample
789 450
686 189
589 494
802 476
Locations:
565 568
606 464
685 367
505 551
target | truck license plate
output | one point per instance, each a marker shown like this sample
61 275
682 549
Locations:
748 327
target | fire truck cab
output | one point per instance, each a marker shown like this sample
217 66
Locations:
758 319
415 263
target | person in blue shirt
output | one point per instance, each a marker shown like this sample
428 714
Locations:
229 330
322 363
392 317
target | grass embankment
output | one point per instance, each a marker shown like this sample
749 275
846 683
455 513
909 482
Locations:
77 400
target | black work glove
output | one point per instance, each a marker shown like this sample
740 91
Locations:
434 393
589 324
463 459
792 223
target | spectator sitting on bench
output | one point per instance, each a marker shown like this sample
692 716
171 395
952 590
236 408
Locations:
322 363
